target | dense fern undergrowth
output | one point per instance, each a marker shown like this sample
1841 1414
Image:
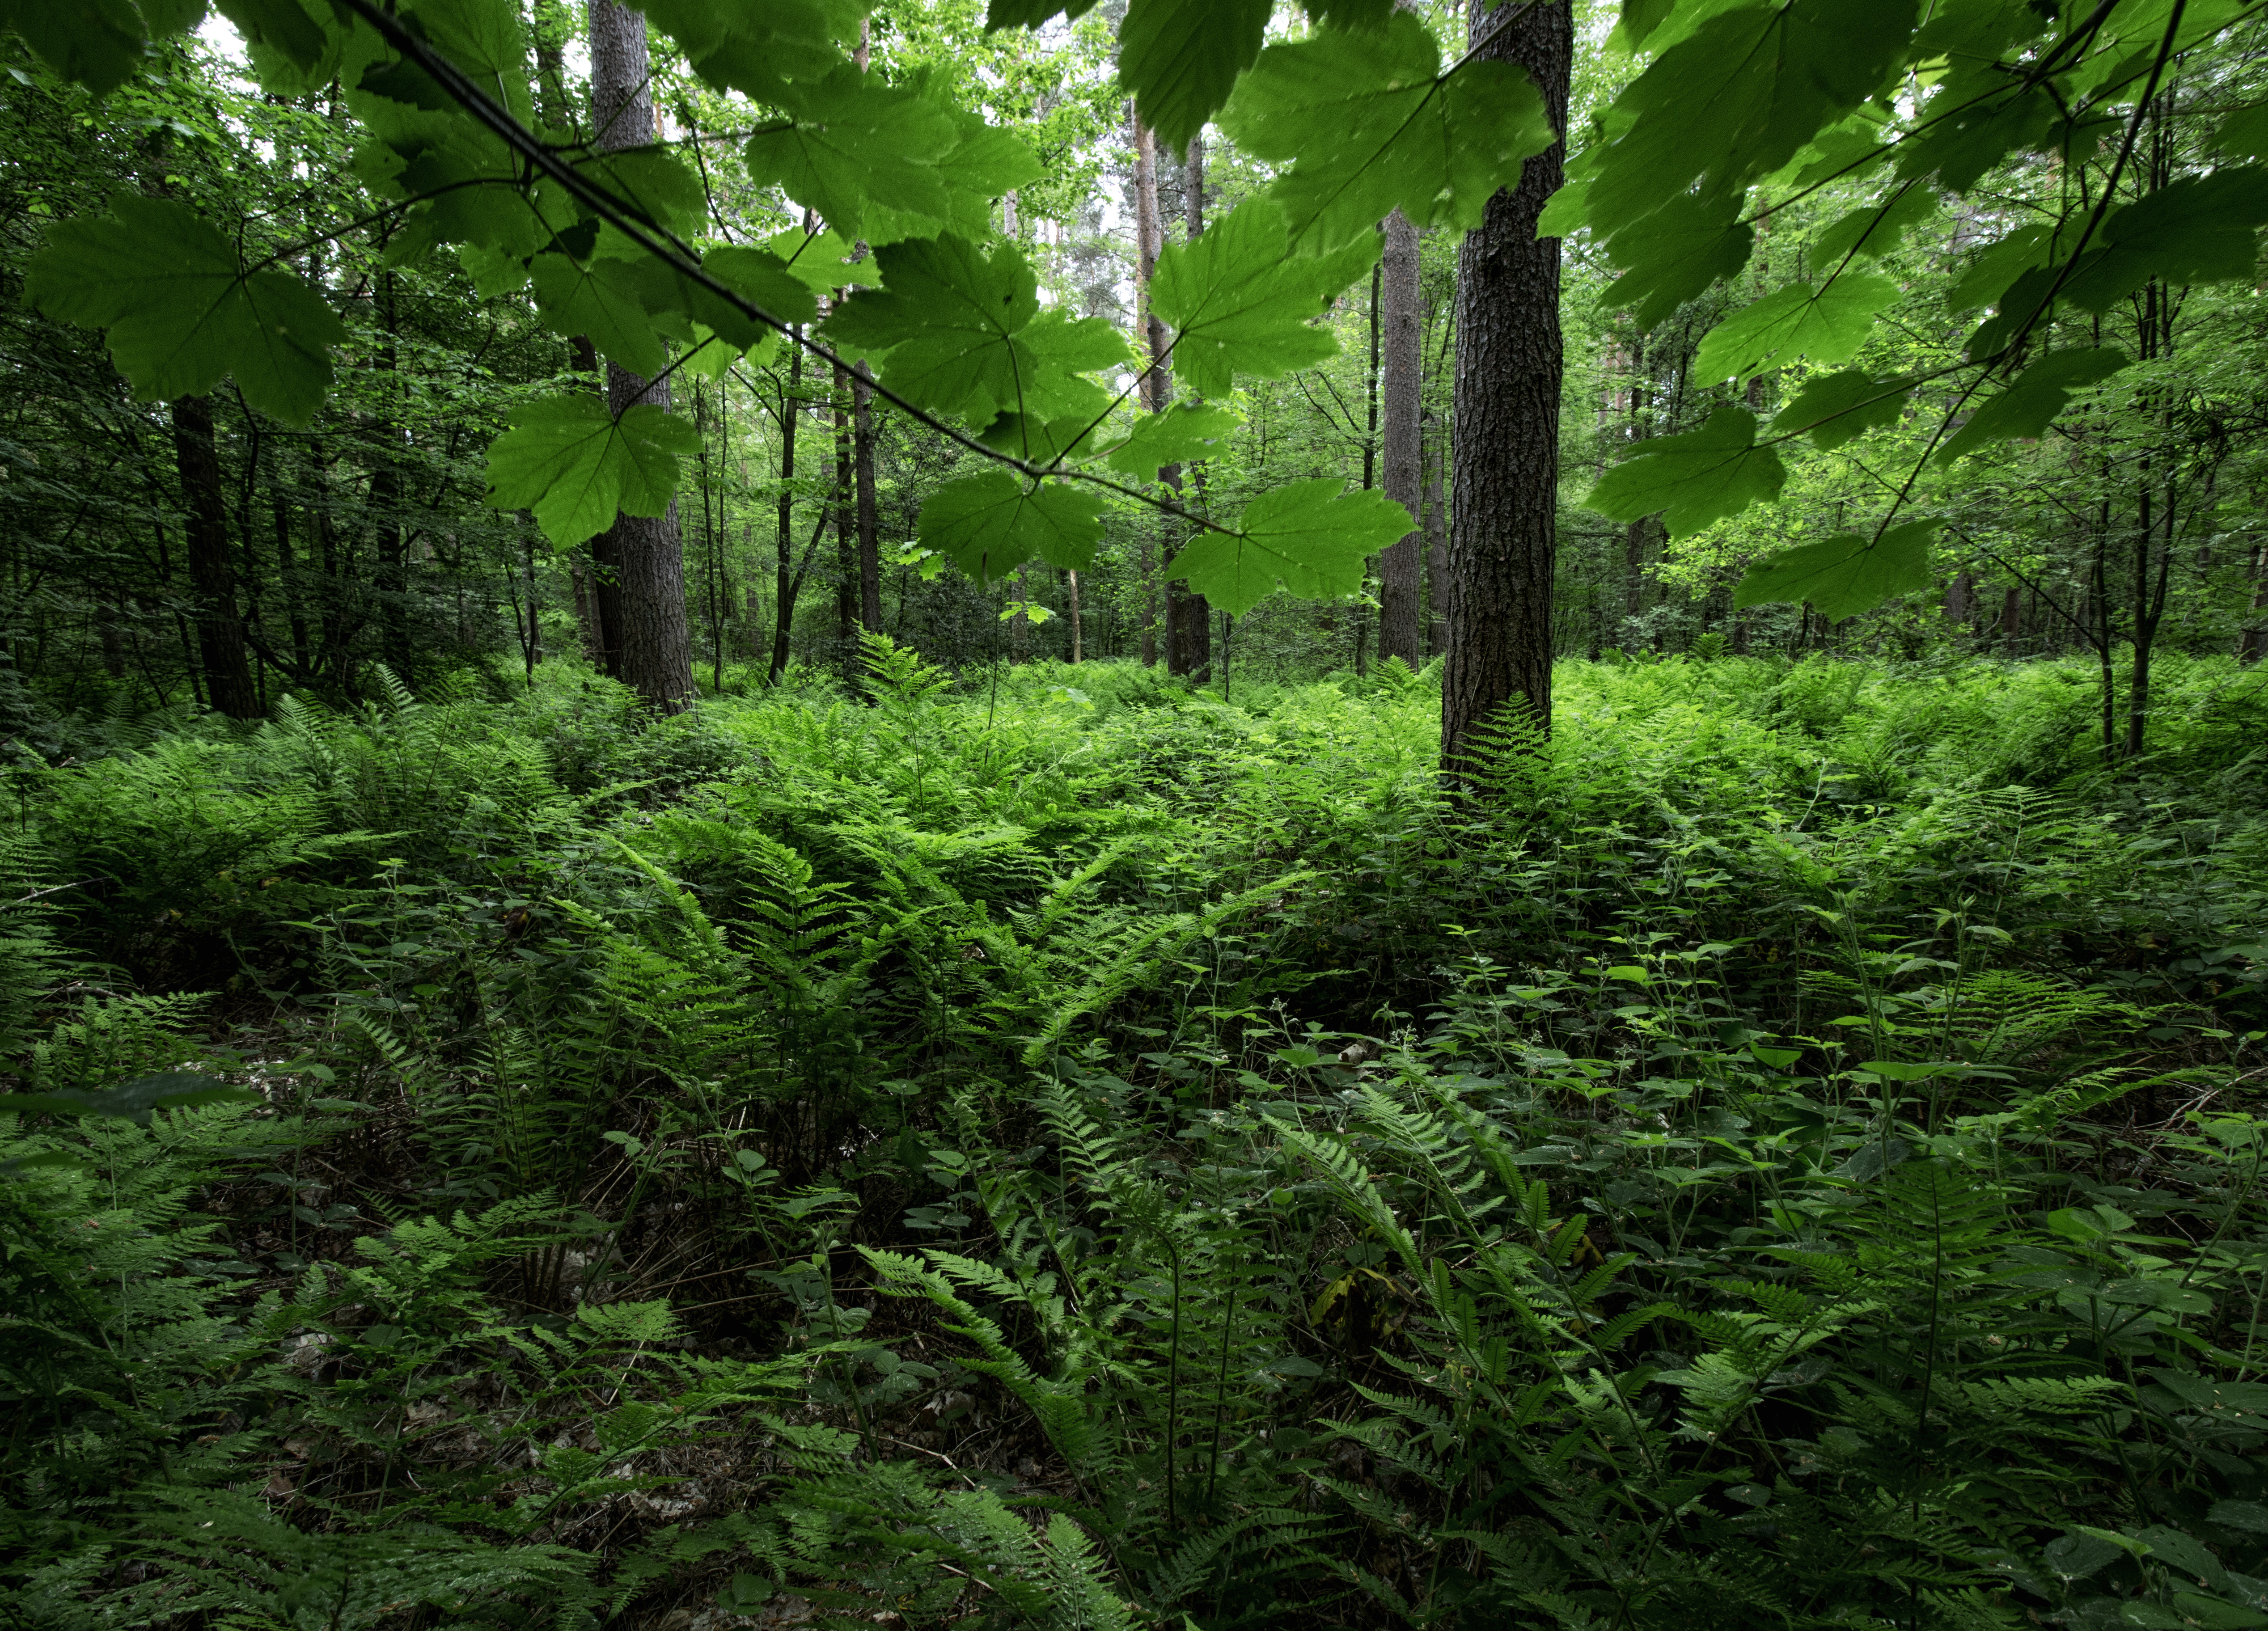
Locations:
1073 1151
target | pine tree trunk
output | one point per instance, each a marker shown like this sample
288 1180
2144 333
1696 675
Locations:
846 526
1504 536
783 606
1400 570
642 609
212 575
1195 610
1437 545
386 499
862 436
1157 386
2252 645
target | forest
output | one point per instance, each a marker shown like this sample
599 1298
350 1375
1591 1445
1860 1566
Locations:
1102 814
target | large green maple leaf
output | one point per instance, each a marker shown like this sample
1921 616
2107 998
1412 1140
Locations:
943 325
991 523
1309 536
602 300
1827 324
1372 128
1694 479
2033 399
575 465
960 332
1239 303
1844 574
1179 435
181 310
1180 59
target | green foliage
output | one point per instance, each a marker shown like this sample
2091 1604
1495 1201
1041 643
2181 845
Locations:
1845 575
990 524
183 310
1310 537
1374 127
921 1157
1744 111
1694 479
614 244
577 465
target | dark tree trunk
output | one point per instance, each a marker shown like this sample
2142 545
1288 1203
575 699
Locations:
386 488
846 527
870 526
1504 535
2252 645
1960 597
862 433
1194 628
1157 385
783 612
289 586
1400 570
212 574
1437 545
642 599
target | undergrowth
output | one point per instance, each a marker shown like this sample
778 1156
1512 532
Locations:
1078 1152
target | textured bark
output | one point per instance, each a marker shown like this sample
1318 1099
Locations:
586 613
290 585
1437 545
1070 610
2012 617
1157 384
1503 536
2252 644
386 500
1020 626
1960 597
1193 613
846 524
783 606
642 599
212 575
862 433
1400 570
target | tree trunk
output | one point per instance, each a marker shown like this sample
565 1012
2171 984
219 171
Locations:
1157 385
212 575
1400 572
2252 644
1504 535
1070 610
783 608
643 608
1196 611
387 495
1436 546
862 437
846 524
289 586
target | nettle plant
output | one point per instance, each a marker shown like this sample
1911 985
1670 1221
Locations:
618 245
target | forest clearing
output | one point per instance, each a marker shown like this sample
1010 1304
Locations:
1363 814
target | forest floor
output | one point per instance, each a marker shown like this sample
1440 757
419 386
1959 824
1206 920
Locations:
1064 1149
